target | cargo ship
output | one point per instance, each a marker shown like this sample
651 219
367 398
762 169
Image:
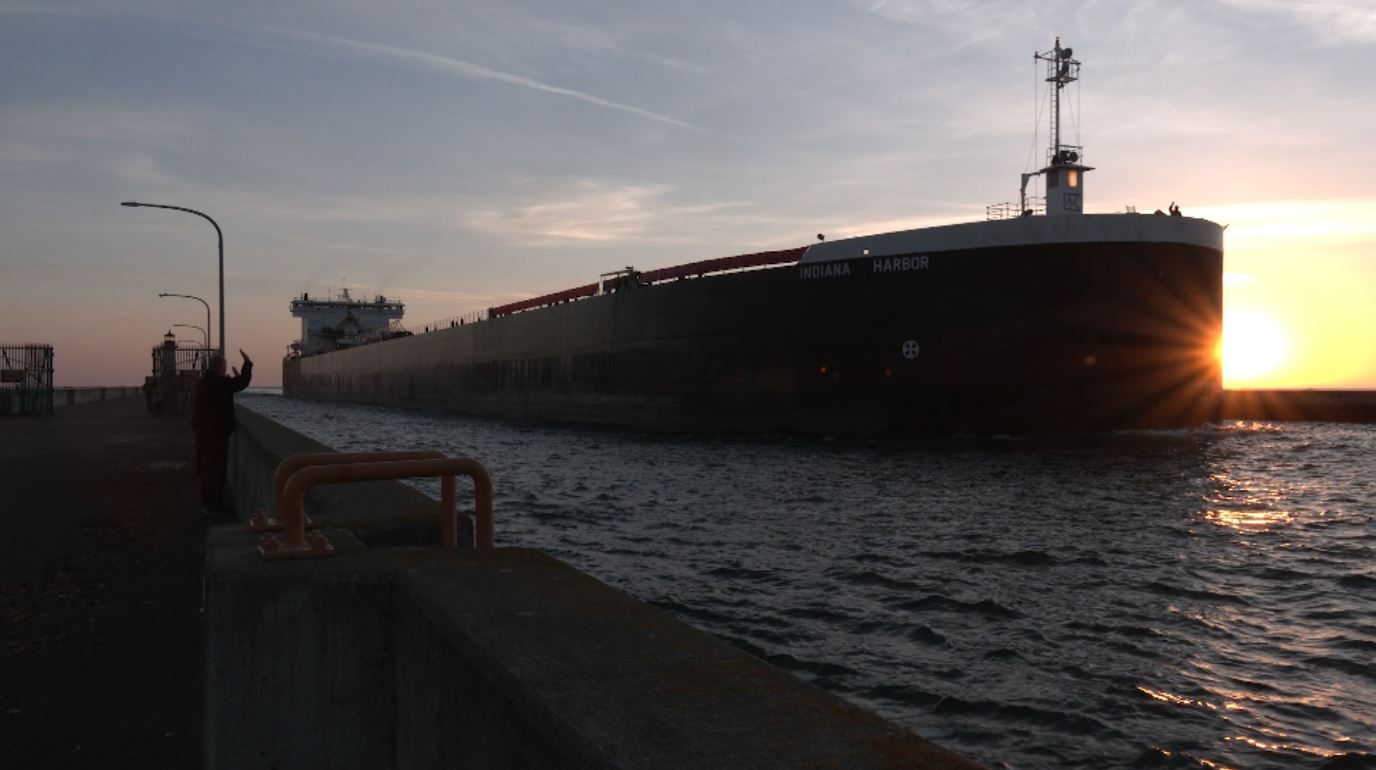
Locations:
1039 318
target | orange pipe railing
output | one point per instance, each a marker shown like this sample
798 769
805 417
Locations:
259 521
296 462
293 514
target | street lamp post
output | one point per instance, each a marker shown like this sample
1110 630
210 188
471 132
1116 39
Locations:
207 316
219 234
204 335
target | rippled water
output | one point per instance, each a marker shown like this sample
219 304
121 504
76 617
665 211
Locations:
1169 599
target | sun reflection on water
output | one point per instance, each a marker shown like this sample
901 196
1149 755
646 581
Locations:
1274 747
1251 505
1249 521
1178 700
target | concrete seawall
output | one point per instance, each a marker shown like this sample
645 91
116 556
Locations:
1300 405
379 513
35 402
390 656
74 396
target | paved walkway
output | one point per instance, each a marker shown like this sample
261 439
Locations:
101 556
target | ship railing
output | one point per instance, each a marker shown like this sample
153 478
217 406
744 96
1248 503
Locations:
738 263
1009 210
450 322
699 269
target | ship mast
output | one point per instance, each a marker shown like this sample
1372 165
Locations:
1062 70
1063 170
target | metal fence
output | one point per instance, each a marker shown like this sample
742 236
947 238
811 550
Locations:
26 379
176 370
183 358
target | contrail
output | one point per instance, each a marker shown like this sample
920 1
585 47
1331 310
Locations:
463 68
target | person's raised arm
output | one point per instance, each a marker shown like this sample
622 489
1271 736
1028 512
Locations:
242 379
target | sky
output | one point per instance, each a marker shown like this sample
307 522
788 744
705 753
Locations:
456 155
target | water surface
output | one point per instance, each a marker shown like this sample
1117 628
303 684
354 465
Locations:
1155 599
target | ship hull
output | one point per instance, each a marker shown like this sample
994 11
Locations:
1021 337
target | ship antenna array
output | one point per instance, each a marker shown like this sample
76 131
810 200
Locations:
1062 69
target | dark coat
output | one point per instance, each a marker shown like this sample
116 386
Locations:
213 414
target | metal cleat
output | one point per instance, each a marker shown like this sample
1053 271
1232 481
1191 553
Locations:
260 521
316 545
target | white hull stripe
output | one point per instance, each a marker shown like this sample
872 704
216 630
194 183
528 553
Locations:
1083 228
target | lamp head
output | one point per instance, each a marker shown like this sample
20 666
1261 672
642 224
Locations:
131 204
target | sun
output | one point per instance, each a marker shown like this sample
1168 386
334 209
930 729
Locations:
1254 345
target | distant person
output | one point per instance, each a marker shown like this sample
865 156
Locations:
212 418
149 385
1175 210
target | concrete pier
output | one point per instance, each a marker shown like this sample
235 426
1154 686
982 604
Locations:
1300 405
415 657
74 396
101 554
390 654
385 655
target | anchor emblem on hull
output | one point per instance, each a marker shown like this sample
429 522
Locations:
910 349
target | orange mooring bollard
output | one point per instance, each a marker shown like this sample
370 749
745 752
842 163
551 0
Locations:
259 521
296 544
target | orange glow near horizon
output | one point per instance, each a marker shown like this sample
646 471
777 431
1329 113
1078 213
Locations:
1297 333
1254 346
1299 305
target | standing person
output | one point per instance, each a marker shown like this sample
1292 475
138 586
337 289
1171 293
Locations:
149 385
212 418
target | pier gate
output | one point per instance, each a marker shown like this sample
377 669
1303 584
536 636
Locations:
26 379
177 366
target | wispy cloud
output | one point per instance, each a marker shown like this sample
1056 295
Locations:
40 9
346 208
598 42
123 142
965 22
142 172
449 65
83 123
1331 21
590 210
334 248
26 154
